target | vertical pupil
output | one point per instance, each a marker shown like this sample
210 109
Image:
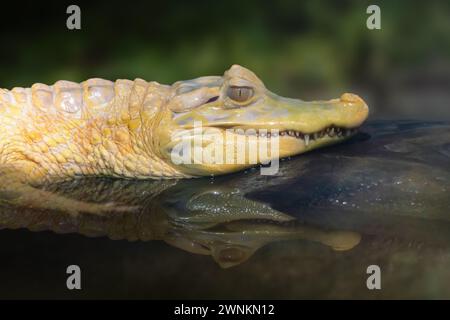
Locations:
240 94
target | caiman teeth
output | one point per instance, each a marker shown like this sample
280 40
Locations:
329 132
306 139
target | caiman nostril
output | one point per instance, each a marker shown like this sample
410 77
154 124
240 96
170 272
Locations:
351 98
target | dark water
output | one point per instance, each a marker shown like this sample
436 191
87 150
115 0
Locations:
382 198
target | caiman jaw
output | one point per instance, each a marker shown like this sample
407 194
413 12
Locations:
299 125
329 133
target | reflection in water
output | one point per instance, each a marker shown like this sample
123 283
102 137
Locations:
199 216
384 194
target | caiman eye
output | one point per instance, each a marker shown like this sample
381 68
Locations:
240 94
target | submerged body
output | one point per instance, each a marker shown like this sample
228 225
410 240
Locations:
128 128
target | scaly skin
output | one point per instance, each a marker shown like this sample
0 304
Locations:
126 129
94 128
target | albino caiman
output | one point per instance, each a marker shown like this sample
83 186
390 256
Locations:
127 129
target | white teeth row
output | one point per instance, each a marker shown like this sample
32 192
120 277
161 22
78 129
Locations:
330 132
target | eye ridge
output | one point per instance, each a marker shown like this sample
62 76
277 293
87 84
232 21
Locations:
240 93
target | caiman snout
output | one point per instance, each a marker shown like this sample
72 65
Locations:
355 108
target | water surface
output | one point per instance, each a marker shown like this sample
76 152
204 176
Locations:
309 232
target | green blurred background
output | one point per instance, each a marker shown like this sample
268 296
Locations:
303 49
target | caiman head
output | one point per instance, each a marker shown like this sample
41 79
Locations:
217 125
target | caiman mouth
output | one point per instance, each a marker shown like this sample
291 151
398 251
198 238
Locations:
330 132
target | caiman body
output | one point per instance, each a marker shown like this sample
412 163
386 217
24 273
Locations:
128 128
